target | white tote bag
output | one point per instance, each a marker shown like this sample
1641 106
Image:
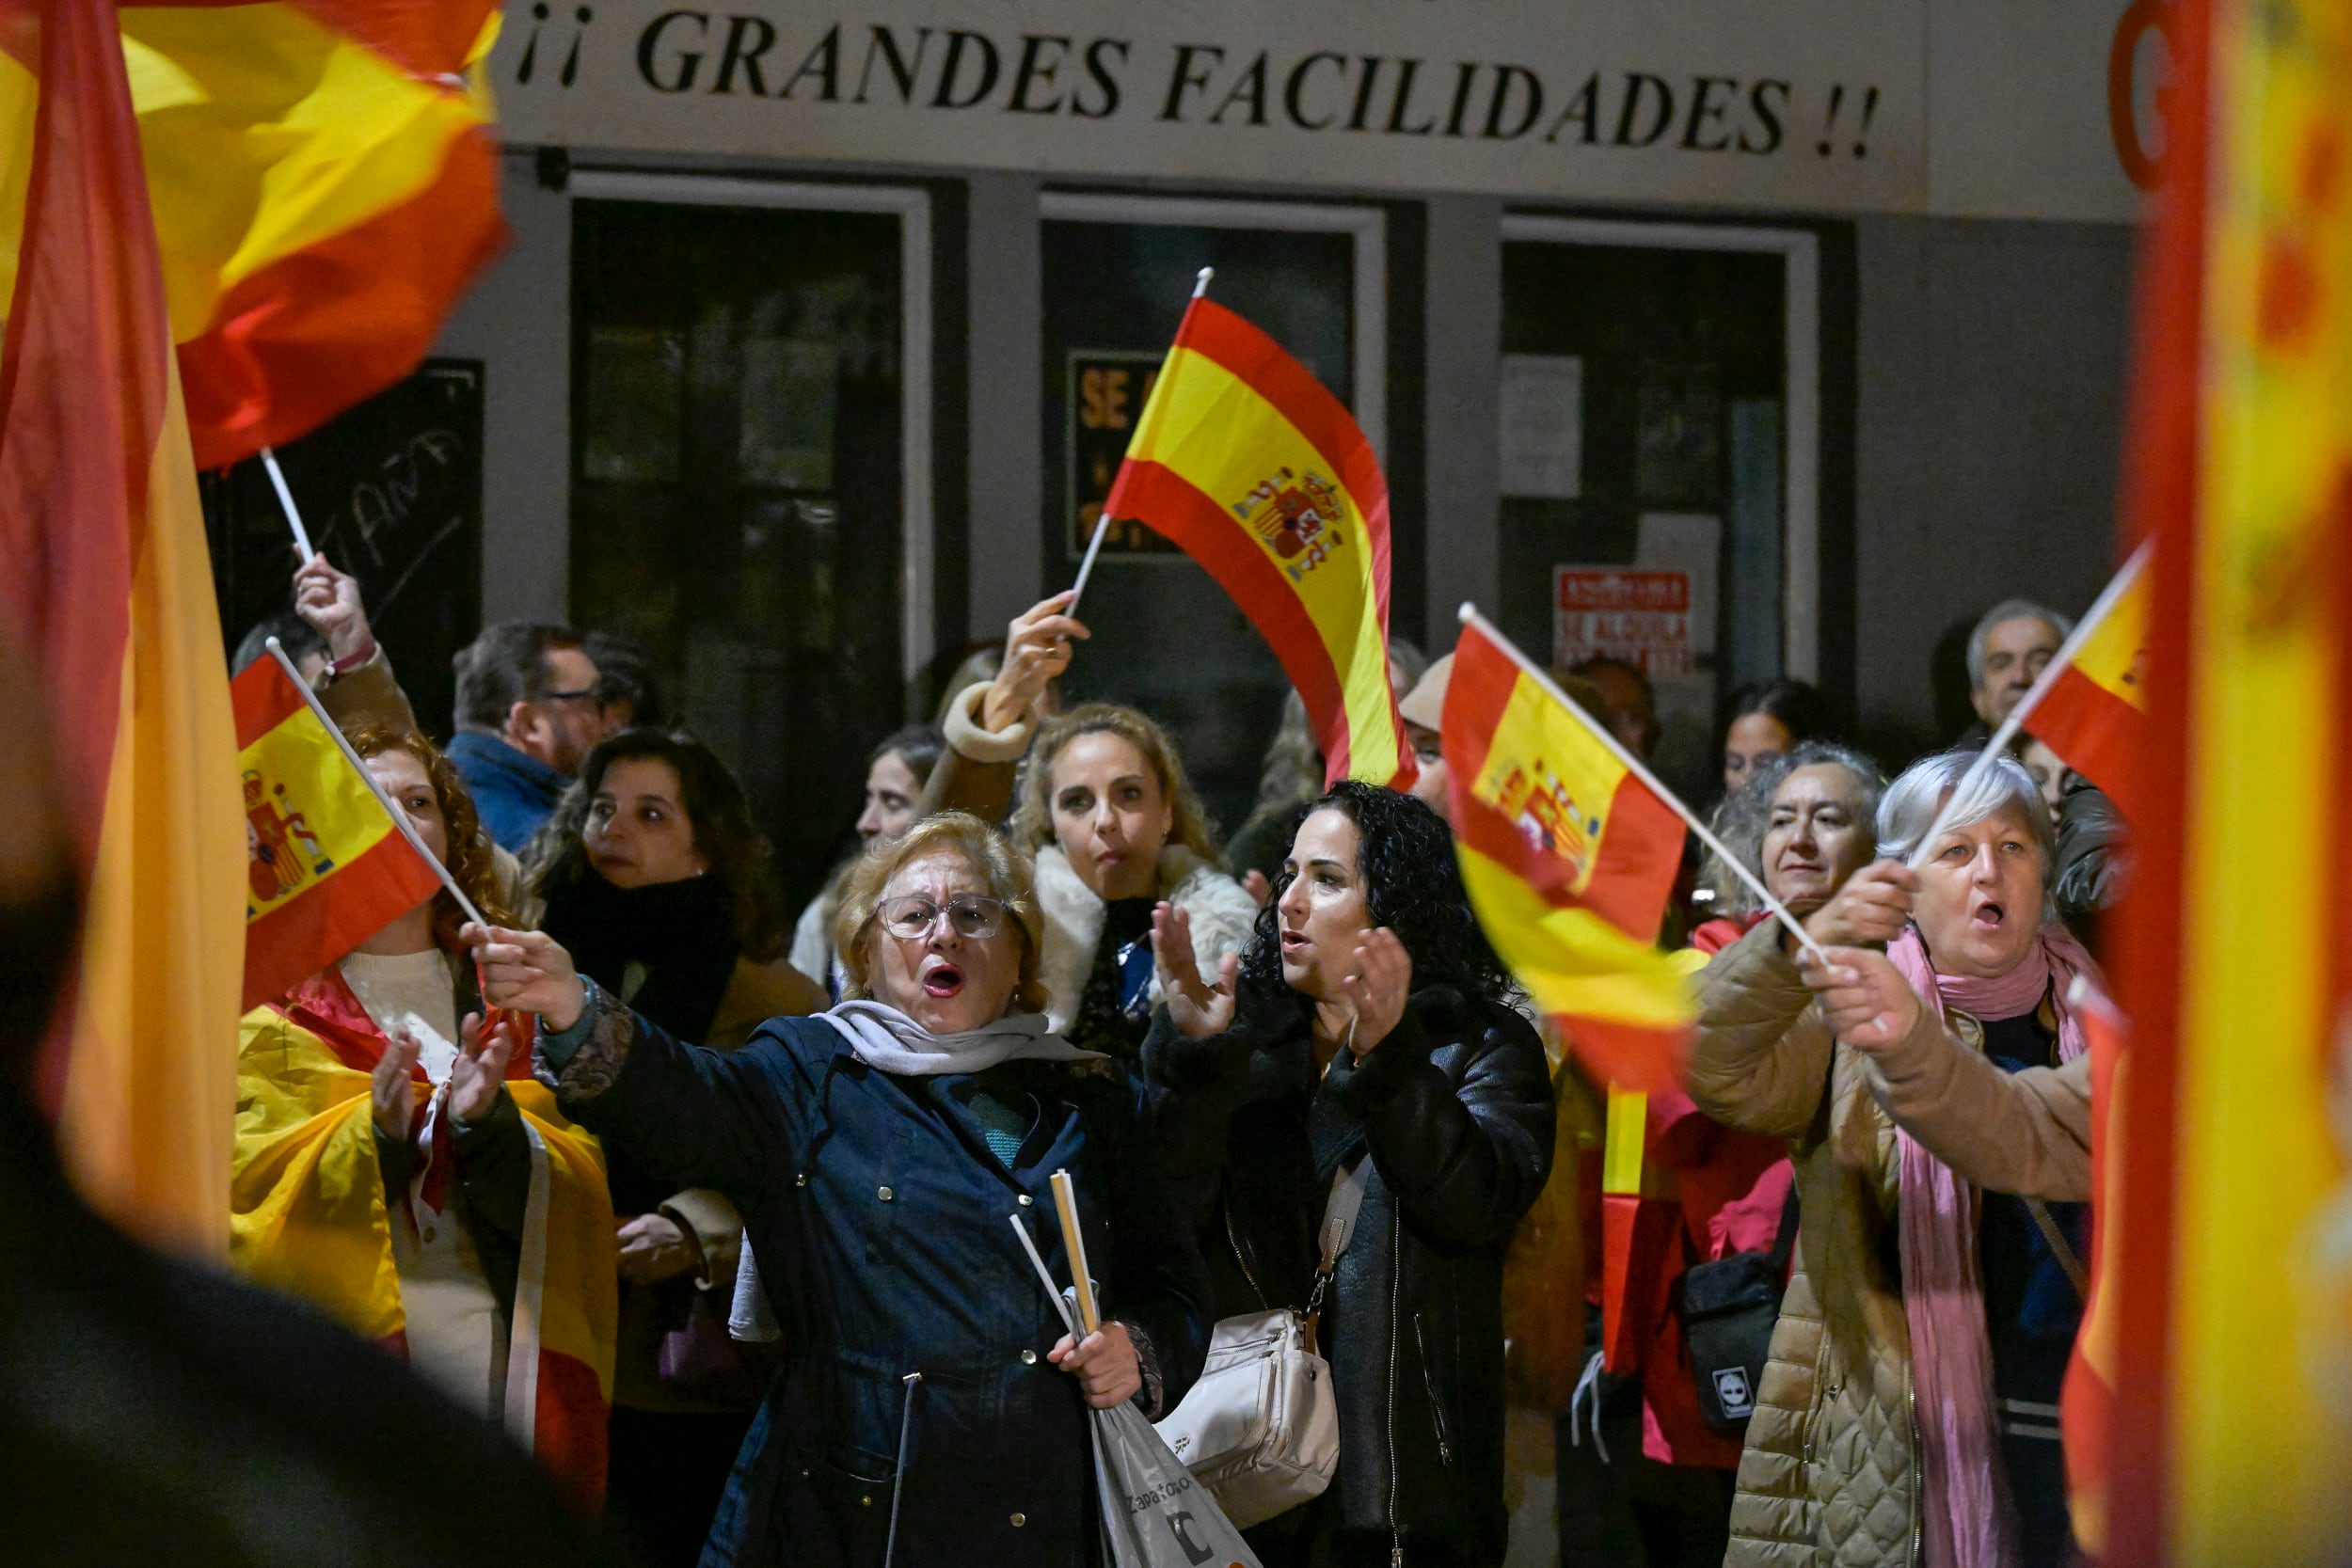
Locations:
1261 1429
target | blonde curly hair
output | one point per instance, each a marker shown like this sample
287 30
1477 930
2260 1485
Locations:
1033 813
1000 866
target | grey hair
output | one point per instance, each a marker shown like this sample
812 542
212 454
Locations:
2010 609
1742 820
1912 801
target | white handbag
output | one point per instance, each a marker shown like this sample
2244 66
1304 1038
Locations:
1261 1429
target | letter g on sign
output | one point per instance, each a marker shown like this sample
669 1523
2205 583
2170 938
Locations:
2139 20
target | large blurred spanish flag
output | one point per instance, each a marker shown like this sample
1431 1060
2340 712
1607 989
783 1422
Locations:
1244 459
324 185
2231 1421
109 585
1568 857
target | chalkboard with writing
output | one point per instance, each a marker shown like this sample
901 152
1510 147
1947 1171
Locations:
390 491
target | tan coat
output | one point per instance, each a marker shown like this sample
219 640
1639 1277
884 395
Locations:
1829 1477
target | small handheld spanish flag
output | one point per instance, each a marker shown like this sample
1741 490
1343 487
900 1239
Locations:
324 868
1568 855
2094 712
1245 459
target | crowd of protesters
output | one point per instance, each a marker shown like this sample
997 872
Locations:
1039 957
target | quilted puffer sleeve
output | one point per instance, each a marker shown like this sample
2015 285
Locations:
1761 1059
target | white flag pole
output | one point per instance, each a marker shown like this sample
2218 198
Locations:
400 817
2058 666
1102 523
1634 765
285 499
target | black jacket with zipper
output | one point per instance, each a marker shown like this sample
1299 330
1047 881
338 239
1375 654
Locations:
1454 1109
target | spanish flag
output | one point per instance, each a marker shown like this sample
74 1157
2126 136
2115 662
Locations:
324 185
2093 711
308 1215
1245 459
2232 1423
325 866
109 587
1569 856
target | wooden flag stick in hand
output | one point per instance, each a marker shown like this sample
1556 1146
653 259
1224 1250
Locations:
1073 1244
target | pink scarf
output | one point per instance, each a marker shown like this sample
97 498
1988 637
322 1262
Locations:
1965 1516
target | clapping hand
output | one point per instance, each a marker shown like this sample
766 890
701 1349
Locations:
1377 987
1198 1008
391 1087
478 1076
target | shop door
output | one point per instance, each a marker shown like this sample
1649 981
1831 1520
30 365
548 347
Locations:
1654 507
740 496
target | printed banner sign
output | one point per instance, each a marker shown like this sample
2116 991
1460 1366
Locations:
1980 108
1643 618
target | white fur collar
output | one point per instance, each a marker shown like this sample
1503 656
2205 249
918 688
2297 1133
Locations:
1072 915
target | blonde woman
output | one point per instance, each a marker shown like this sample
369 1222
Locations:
1104 807
875 1152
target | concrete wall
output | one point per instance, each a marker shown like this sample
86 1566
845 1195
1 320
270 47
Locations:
519 321
1990 372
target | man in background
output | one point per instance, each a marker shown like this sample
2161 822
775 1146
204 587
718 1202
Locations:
530 705
2012 645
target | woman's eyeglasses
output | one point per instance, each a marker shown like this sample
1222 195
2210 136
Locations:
968 915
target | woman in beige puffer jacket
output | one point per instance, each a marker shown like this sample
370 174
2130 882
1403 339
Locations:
1830 1474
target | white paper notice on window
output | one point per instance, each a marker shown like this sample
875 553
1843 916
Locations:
1543 425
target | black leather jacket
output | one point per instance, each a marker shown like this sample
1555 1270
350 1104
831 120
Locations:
1456 1110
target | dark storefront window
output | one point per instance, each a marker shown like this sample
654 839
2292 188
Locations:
738 486
1642 411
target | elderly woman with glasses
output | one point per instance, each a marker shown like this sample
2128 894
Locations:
930 1409
1936 1100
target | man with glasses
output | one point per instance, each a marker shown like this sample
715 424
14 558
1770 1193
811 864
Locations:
529 707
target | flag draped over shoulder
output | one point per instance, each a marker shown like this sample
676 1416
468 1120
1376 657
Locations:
2231 1412
1568 858
2095 714
309 1216
324 185
1245 459
324 868
109 587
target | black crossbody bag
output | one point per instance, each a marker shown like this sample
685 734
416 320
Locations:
1728 1308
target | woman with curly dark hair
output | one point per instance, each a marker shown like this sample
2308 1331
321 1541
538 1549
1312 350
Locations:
658 885
1369 1024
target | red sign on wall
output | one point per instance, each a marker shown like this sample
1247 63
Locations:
1643 618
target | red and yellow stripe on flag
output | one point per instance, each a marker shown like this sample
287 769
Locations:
1568 857
324 868
109 587
2231 1421
2095 714
324 185
1245 459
